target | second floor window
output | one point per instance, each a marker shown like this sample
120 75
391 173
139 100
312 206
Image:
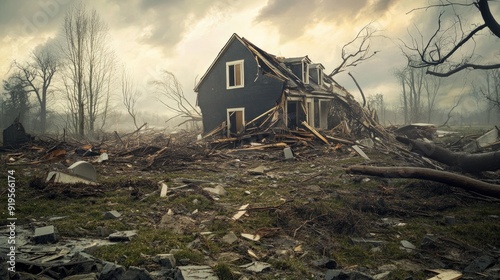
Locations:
235 74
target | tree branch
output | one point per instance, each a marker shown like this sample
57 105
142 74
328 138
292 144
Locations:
449 178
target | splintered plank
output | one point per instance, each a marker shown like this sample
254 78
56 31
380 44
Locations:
241 212
445 274
315 132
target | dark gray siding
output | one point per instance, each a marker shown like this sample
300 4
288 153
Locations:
259 94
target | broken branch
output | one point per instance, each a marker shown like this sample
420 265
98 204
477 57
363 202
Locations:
449 178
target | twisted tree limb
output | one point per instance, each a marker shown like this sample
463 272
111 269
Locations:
467 162
448 178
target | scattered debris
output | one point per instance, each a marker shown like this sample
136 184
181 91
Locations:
165 260
360 152
259 170
47 234
417 131
197 272
122 236
241 211
59 177
407 246
445 274
288 153
480 264
489 139
217 190
256 266
103 157
15 136
252 237
113 214
163 188
83 170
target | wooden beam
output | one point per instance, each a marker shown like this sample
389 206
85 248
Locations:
315 132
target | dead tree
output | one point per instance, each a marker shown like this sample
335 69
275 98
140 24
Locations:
171 89
440 51
490 90
466 162
412 81
89 68
357 50
37 75
75 31
130 95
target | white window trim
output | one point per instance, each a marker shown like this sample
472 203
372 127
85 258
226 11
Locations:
242 75
305 72
310 111
228 121
320 76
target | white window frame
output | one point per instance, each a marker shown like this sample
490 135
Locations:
228 119
320 76
305 72
242 73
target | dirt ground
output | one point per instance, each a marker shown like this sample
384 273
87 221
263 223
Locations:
308 218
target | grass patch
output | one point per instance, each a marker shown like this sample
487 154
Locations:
147 243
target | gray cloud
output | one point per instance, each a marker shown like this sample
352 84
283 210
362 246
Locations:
166 21
169 20
30 18
293 17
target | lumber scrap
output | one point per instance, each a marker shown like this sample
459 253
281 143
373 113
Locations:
449 178
315 132
445 274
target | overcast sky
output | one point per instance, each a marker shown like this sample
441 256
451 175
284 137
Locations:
184 37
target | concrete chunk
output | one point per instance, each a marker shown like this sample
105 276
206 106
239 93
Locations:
288 153
45 235
84 170
137 273
112 215
111 271
192 272
165 260
230 238
121 236
59 177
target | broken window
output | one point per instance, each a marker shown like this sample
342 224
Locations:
234 74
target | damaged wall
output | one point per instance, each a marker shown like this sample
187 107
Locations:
259 94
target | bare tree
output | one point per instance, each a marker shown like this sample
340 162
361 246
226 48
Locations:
377 103
411 80
439 53
100 62
75 33
37 75
490 89
17 104
175 100
357 50
130 95
432 84
90 68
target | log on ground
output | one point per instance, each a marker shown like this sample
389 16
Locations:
449 178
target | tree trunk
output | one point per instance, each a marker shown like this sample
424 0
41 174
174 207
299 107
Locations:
467 162
449 178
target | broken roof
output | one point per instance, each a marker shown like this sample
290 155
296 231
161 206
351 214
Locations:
270 64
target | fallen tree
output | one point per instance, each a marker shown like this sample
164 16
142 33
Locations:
466 162
448 178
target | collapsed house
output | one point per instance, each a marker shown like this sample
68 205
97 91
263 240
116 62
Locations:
247 90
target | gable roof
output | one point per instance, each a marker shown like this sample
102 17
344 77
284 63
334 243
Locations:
269 63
